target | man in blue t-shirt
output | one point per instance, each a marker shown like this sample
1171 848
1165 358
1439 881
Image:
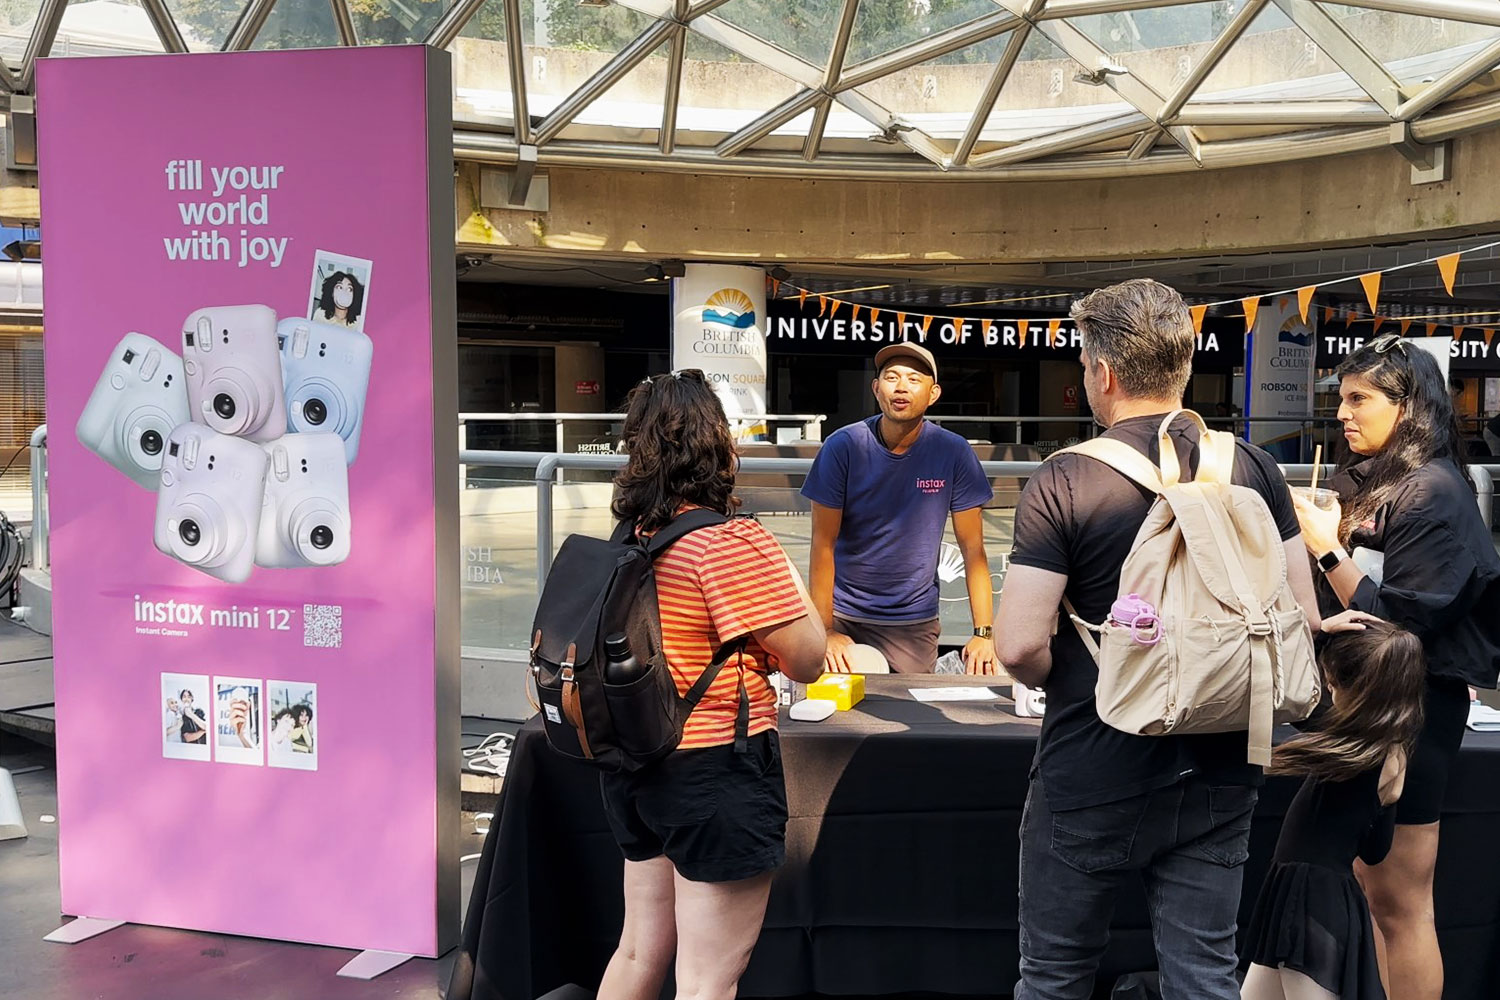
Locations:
881 491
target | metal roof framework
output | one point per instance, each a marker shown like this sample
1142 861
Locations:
1154 131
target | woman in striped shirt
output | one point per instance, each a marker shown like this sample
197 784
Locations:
703 829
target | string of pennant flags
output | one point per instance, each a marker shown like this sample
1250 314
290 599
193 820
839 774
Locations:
1447 266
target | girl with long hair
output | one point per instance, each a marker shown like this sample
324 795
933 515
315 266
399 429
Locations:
1310 937
1423 559
703 829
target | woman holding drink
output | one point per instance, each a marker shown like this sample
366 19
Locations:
1404 541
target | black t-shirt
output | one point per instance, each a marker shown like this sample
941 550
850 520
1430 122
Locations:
1079 517
192 722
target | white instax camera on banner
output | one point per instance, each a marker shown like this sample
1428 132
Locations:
208 509
305 520
233 371
139 398
326 371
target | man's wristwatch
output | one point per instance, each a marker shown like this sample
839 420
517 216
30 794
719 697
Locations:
984 632
1329 561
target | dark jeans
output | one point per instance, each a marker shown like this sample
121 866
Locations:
1189 843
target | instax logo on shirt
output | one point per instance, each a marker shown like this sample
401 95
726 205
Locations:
931 485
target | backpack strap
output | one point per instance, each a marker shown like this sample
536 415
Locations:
1211 453
683 524
1085 630
735 647
1118 456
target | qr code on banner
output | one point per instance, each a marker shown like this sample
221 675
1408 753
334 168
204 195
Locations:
323 625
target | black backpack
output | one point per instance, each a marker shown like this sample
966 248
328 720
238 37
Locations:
596 589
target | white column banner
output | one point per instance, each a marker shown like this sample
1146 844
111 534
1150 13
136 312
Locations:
1283 349
718 325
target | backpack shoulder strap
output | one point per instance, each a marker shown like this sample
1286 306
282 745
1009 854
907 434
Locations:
682 524
1118 456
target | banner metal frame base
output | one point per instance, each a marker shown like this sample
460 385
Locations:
82 929
370 963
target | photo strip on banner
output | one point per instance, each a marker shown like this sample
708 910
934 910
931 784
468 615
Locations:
291 725
340 292
185 726
237 723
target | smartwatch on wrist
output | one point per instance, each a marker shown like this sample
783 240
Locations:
1329 561
984 632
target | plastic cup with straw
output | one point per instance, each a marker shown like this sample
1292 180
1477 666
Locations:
1323 499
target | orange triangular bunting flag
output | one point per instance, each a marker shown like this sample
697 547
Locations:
1053 325
1376 322
801 297
1198 312
854 316
775 288
874 315
926 322
1431 329
1252 306
984 328
1371 282
901 325
835 310
1448 268
1022 325
1489 335
822 304
1405 325
1328 312
1458 332
1304 299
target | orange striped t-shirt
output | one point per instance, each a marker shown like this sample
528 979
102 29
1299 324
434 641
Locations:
714 585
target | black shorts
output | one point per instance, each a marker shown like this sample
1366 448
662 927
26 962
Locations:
717 814
1447 713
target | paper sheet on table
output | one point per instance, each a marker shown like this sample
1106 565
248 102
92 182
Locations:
954 694
1483 719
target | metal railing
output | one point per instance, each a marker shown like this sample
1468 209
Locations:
546 466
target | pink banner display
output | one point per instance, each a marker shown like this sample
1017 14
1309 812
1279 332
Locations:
250 361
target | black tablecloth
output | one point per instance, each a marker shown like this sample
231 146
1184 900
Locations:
901 863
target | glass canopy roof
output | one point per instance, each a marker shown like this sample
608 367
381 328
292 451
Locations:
915 88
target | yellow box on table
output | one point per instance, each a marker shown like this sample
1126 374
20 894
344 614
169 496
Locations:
844 690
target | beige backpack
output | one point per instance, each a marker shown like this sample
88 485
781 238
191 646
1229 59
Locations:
1232 648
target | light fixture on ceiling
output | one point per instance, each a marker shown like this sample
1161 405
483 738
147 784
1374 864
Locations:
1099 75
669 269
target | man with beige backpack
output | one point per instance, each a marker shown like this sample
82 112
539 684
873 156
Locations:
1183 632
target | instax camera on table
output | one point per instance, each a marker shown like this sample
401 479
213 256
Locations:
208 509
326 371
139 398
234 371
305 519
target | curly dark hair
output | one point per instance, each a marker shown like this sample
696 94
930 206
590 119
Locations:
1380 675
326 304
681 452
1427 432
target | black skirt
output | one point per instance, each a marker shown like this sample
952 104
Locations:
1316 921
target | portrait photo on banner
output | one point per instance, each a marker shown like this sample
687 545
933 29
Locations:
185 727
340 293
291 725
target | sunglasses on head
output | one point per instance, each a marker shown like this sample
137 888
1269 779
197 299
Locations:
691 374
1383 343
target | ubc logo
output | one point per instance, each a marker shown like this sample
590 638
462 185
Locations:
729 307
931 485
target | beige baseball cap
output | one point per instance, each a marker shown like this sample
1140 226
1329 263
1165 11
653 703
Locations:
906 350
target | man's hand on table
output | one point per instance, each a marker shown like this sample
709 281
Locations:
979 657
836 659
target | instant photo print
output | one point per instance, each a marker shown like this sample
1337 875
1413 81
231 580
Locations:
186 726
237 721
140 397
305 518
208 510
292 725
326 372
233 368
